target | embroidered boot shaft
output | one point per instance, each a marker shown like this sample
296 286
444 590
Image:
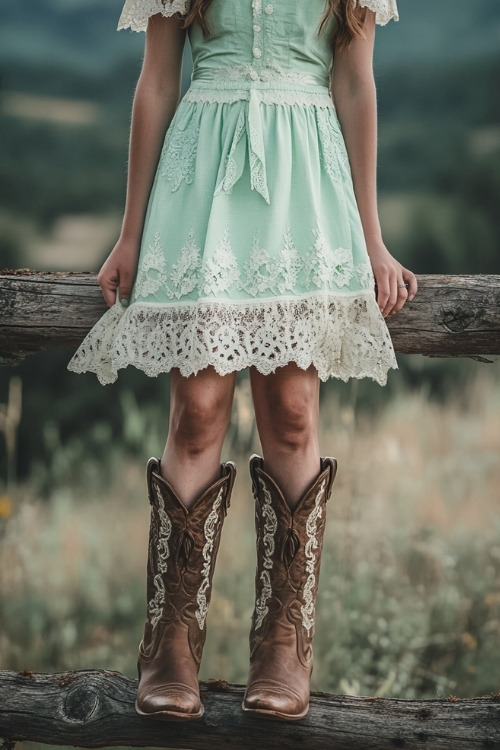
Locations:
289 545
183 546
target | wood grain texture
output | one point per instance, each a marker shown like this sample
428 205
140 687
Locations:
451 316
96 709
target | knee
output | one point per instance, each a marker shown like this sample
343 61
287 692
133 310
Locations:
292 420
198 422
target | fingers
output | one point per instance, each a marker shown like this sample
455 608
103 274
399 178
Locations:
387 290
402 296
108 281
407 289
112 279
394 289
411 280
125 289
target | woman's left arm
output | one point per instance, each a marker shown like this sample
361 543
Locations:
354 95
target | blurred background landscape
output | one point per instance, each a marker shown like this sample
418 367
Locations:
409 604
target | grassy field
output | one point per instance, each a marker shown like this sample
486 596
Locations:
409 602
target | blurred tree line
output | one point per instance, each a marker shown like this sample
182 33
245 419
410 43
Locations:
440 144
439 147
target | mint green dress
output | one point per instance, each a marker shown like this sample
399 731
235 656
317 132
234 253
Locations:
252 251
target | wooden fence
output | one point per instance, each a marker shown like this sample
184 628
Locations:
96 709
450 316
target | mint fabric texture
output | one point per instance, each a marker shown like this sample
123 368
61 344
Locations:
252 251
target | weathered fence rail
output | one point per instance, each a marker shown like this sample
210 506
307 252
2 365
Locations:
96 709
451 316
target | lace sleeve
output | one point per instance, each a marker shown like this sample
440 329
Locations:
384 10
135 13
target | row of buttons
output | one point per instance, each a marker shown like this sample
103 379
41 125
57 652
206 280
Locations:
257 10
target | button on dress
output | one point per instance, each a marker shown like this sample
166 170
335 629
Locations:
252 251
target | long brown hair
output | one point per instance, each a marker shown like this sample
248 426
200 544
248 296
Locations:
349 16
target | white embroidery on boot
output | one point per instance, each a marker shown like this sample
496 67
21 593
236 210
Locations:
270 526
164 531
308 607
210 529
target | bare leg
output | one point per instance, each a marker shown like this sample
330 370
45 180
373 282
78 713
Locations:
286 409
200 408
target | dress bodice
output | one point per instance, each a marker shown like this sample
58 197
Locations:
263 41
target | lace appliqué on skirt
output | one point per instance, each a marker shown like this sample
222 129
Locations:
263 274
333 150
178 156
324 267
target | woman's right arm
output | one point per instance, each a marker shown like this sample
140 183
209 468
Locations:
155 101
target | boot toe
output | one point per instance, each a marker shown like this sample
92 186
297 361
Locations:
274 700
170 701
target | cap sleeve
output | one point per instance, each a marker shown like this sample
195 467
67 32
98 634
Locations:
135 13
384 10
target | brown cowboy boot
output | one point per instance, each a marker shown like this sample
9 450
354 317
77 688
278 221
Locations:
289 545
183 545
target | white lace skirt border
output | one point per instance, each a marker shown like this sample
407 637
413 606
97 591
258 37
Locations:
342 336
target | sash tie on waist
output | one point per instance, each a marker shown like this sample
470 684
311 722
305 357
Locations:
251 90
248 139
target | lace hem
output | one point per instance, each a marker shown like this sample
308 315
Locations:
385 10
136 13
342 336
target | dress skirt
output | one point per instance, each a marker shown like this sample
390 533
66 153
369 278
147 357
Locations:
252 252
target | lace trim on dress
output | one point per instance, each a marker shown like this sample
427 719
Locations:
342 336
135 13
269 74
271 85
266 96
333 150
178 156
324 267
384 10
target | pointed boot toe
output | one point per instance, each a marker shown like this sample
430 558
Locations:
274 700
172 701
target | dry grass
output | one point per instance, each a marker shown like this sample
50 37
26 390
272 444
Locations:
410 591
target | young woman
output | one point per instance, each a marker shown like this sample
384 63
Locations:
250 240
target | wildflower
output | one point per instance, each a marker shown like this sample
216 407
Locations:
5 506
